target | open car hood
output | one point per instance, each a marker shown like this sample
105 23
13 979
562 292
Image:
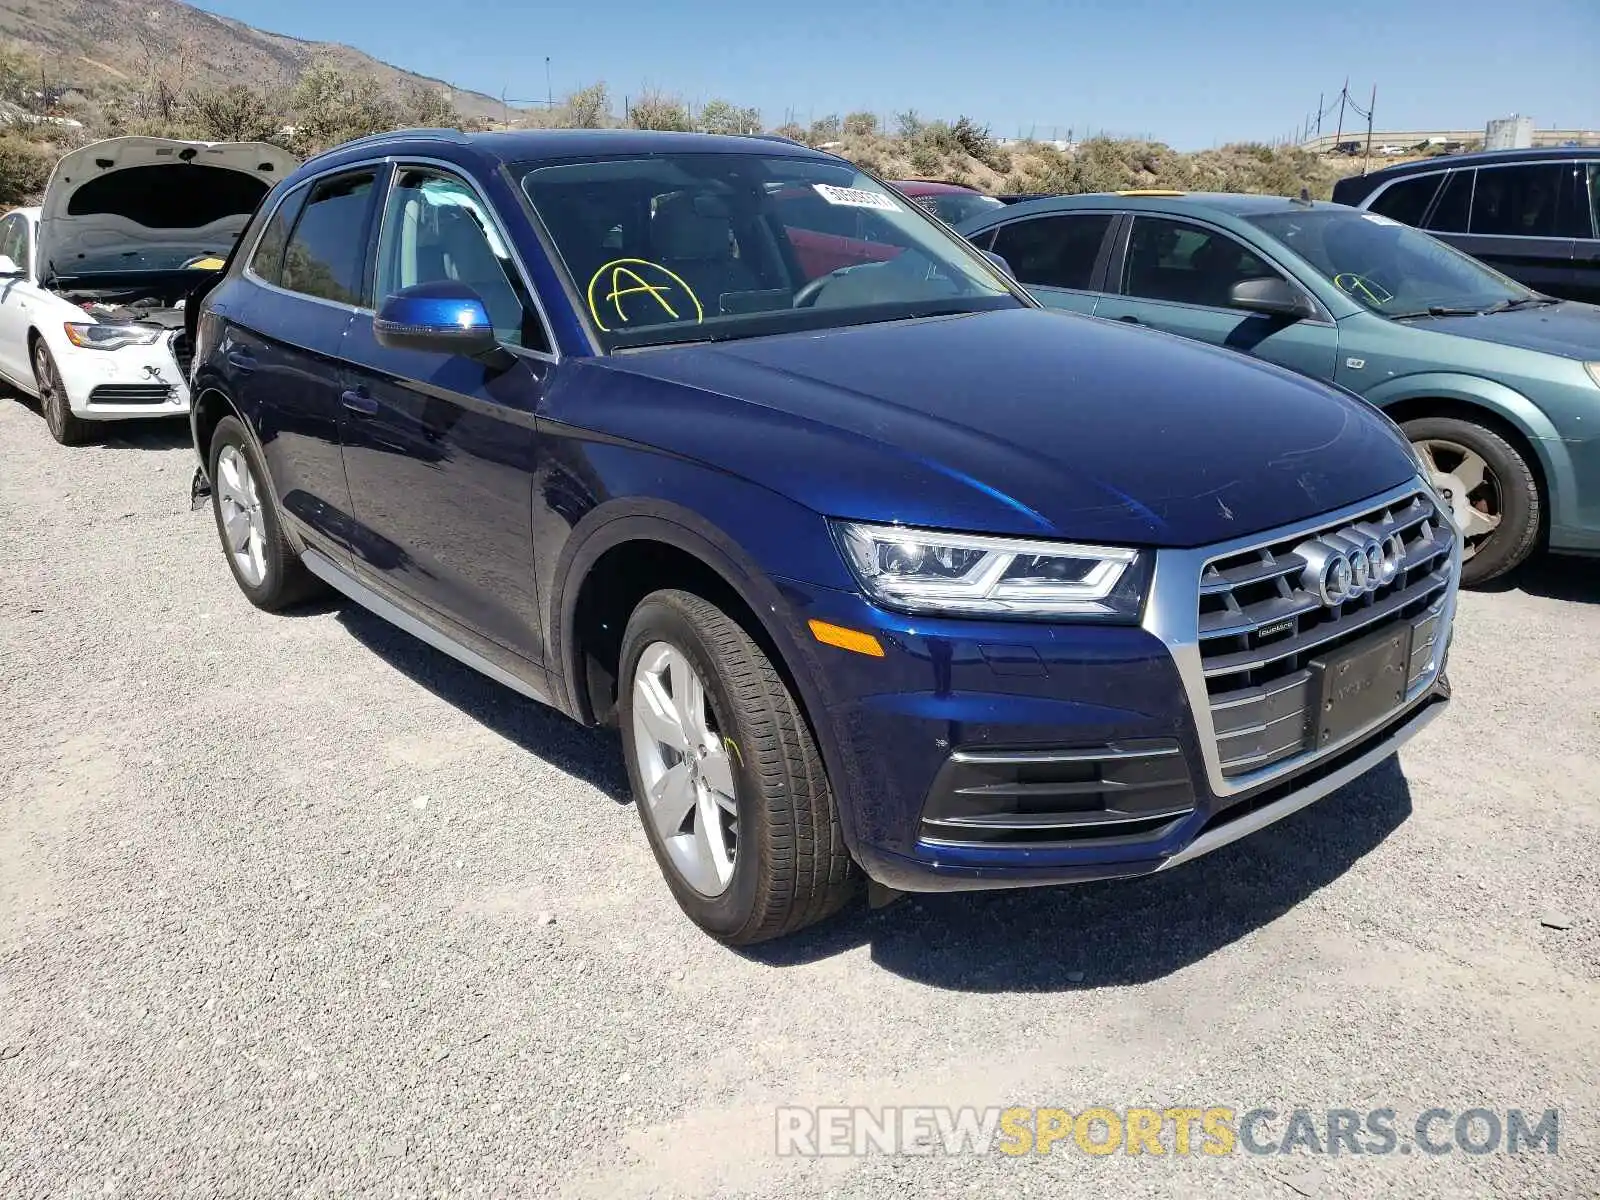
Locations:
133 204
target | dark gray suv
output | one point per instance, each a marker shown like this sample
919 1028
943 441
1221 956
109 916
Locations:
1532 214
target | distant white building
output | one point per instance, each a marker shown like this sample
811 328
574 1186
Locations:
1508 133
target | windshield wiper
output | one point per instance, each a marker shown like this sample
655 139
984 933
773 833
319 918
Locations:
1440 310
1525 302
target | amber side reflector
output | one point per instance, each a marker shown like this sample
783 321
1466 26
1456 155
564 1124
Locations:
846 639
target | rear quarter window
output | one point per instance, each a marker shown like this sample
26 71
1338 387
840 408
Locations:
1407 200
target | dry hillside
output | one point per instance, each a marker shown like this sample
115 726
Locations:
92 42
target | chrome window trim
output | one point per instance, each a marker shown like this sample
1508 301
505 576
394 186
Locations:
1367 203
1172 614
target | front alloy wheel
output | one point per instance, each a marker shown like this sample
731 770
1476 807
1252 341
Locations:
1492 492
730 787
689 792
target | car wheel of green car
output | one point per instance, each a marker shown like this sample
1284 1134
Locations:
1492 492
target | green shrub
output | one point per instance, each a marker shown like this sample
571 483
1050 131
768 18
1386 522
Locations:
24 168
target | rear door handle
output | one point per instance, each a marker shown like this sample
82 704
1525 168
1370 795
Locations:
242 360
358 402
1131 320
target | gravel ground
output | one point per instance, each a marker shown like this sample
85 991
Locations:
275 897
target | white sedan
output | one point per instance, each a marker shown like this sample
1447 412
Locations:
93 281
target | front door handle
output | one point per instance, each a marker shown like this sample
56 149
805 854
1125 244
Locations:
1131 319
358 402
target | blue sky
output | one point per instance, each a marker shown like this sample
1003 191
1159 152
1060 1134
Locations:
1189 72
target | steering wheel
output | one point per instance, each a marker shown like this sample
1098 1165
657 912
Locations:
806 297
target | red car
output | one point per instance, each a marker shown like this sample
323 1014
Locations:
952 203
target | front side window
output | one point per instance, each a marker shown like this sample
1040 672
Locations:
1056 251
1535 200
327 250
1594 199
1187 264
435 229
1391 268
693 247
14 240
1407 200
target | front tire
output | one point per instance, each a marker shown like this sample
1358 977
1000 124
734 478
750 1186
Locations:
64 425
263 562
1492 492
726 775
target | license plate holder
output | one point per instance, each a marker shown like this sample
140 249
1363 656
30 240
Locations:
1358 684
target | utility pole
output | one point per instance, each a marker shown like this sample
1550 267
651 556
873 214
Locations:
1344 95
1372 107
1321 108
549 93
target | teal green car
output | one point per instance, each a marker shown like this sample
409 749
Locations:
1497 387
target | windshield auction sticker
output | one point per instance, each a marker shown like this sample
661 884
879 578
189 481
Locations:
855 197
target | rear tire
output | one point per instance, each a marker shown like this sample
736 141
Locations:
64 425
1485 479
263 562
703 711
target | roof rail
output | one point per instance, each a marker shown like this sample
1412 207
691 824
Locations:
373 139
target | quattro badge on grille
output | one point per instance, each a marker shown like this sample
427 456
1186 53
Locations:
1350 563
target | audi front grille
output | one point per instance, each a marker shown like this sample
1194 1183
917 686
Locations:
1271 615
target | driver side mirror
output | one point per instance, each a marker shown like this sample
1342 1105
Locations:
437 318
1272 297
9 268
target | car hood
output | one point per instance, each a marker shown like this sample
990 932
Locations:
1026 422
141 203
1569 328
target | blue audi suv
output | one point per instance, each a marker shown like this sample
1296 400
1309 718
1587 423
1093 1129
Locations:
886 575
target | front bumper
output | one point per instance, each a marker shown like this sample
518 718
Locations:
1115 719
127 384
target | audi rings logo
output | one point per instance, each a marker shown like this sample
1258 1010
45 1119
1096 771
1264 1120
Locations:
1351 563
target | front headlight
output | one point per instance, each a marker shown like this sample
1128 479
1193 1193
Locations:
961 574
101 336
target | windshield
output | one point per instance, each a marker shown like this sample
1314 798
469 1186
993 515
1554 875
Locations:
1390 268
955 207
692 247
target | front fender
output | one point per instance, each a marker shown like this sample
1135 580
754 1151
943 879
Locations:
1510 405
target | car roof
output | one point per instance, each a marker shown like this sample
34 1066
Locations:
1231 204
527 145
1478 158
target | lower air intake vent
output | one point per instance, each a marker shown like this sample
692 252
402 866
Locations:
1130 791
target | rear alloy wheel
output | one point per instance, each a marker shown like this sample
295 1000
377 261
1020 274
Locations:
730 787
64 426
1492 492
263 562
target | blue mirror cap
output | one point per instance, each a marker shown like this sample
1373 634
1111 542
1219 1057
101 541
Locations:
999 262
444 309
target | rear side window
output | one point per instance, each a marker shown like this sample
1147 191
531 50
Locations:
328 249
1407 201
1058 251
267 261
1455 203
1536 200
